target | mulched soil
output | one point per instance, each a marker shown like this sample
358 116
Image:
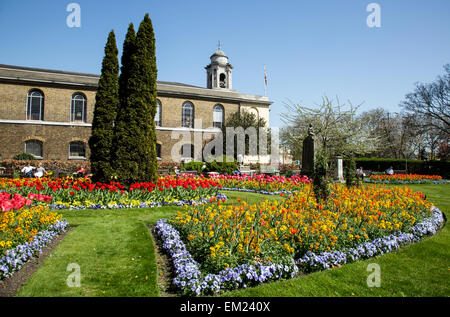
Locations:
9 286
164 266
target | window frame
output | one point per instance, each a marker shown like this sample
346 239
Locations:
29 108
184 117
40 143
83 110
158 157
77 157
158 123
222 109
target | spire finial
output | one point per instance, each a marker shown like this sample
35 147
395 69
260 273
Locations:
218 45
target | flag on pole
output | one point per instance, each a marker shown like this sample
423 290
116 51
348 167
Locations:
265 80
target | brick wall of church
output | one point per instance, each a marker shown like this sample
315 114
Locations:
13 102
56 138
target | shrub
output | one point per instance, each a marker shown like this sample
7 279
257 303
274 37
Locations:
351 179
49 165
320 182
224 167
193 166
24 157
288 168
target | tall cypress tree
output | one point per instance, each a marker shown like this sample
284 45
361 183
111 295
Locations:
106 105
129 48
134 134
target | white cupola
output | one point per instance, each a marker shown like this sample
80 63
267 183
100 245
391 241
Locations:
218 72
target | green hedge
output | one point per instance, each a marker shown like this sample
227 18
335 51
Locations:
193 166
24 157
441 168
223 167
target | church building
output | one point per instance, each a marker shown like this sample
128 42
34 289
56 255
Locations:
48 113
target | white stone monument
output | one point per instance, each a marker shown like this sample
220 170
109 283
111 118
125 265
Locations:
339 170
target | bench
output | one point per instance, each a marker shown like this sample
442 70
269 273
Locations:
6 172
400 172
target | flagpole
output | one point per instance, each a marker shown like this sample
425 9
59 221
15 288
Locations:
265 82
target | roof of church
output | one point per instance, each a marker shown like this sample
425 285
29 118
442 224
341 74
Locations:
219 53
90 81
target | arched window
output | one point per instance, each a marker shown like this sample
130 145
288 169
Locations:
218 116
158 114
77 150
187 115
34 147
35 105
78 108
158 150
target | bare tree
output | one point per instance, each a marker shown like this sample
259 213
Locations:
337 126
432 101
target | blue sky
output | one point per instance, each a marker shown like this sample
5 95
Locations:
310 48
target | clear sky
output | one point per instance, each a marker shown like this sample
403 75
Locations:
310 48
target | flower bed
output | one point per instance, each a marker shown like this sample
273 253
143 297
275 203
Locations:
262 184
127 203
325 260
190 280
14 258
217 247
82 193
20 226
404 179
24 229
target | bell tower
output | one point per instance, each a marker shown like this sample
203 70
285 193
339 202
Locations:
218 72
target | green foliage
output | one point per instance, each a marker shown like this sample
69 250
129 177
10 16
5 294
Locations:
129 48
24 157
106 105
134 157
351 179
222 166
320 181
193 166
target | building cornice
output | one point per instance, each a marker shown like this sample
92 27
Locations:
25 75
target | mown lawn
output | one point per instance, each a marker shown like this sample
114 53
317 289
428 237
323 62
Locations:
115 252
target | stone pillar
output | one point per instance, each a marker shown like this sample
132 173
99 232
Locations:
309 153
339 170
